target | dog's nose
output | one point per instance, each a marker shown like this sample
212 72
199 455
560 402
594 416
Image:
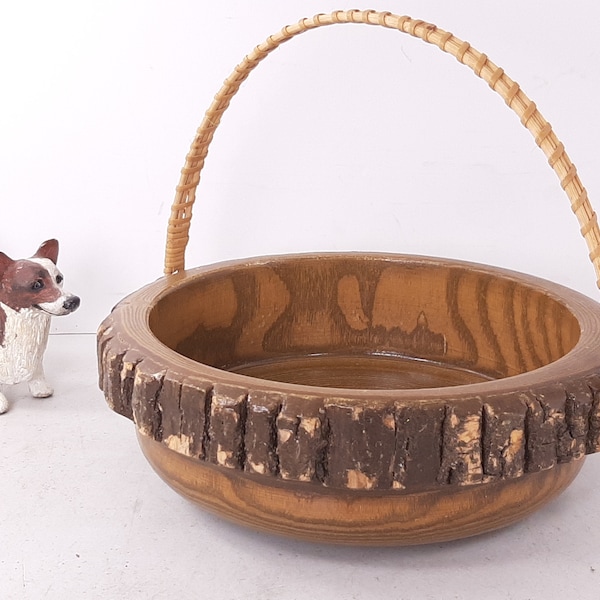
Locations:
72 303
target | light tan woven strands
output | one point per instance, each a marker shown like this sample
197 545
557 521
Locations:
181 211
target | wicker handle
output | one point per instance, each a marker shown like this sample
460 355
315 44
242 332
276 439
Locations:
181 210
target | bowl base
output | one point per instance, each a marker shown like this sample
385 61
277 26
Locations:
355 518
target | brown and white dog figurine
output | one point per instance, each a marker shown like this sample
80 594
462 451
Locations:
30 294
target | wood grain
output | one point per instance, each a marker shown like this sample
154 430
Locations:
359 518
431 376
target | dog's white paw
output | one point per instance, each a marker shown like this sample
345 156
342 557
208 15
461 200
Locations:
3 404
40 389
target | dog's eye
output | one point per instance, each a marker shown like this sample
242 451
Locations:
59 279
38 284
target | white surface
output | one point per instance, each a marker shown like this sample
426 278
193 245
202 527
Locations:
84 516
346 138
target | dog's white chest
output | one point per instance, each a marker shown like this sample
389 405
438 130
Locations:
25 338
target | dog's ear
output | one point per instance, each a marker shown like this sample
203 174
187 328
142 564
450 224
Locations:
5 262
49 249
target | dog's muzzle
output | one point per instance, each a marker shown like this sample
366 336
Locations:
63 306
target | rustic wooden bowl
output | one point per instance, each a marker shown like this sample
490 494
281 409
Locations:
360 398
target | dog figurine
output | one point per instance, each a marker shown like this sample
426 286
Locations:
30 294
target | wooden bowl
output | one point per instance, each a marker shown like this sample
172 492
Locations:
352 398
356 398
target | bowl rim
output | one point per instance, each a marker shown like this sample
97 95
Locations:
139 305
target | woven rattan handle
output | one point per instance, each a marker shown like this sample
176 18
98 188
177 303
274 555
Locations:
181 211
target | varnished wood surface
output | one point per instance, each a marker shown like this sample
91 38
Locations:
166 356
359 518
372 372
459 316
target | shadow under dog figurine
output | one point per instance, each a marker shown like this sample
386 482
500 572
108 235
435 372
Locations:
30 294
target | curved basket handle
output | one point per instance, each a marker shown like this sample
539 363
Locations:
181 210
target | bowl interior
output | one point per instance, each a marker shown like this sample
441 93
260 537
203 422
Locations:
363 322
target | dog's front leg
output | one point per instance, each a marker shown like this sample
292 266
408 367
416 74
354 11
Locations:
38 386
3 403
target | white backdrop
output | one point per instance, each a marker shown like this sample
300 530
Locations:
347 138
